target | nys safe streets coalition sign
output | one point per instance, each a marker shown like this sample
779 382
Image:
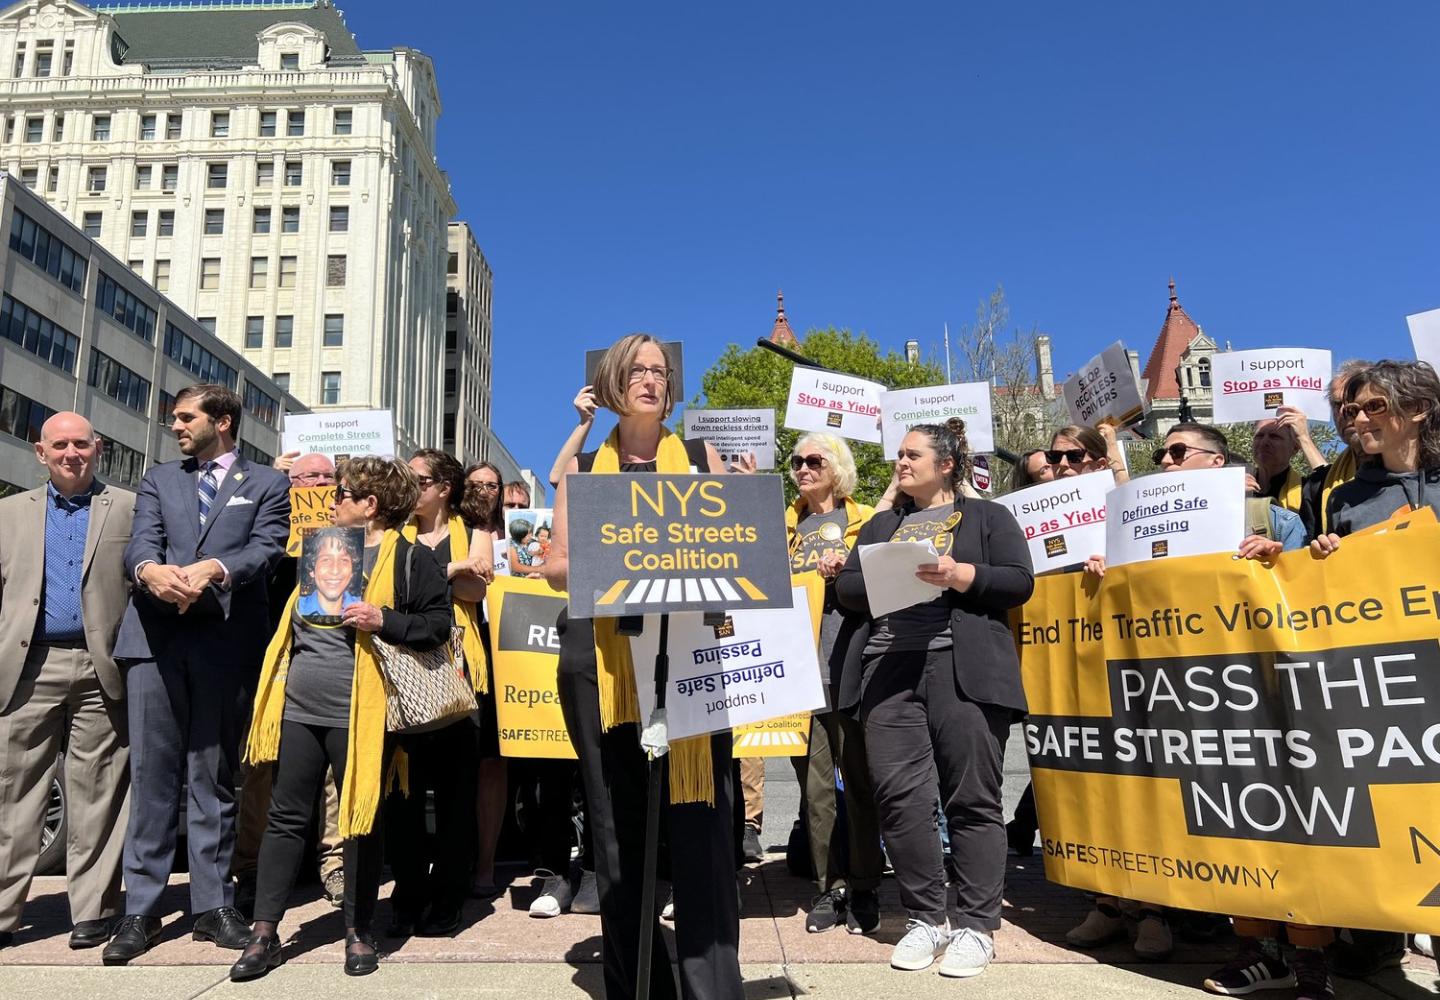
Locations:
648 543
1211 733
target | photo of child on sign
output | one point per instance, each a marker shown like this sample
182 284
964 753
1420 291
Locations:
331 573
528 533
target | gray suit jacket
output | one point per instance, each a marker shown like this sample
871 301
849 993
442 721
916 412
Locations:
104 586
247 529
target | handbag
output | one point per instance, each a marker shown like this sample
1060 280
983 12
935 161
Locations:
427 689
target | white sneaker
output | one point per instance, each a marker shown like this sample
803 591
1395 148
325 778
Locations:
667 912
921 945
1096 929
968 954
555 897
1153 940
1423 944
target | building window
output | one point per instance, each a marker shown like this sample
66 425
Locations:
46 251
219 124
90 223
210 273
335 271
95 179
206 323
139 223
189 354
287 272
340 173
1204 365
162 276
21 416
339 218
164 408
143 173
449 381
118 382
100 128
215 175
264 173
69 61
295 123
22 325
262 406
136 265
147 127
172 125
44 57
214 221
169 177
344 121
52 180
35 129
30 177
329 388
289 60
334 331
284 331
114 300
259 271
120 463
289 218
452 264
9 128
294 173
254 332
59 132
167 223
261 224
267 123
281 380
19 59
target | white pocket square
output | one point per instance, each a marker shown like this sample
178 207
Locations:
238 501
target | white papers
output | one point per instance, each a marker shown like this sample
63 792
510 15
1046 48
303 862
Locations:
735 433
1251 385
1064 520
889 572
839 404
1169 514
1425 335
1104 387
902 409
340 433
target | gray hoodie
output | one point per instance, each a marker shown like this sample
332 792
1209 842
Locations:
1374 495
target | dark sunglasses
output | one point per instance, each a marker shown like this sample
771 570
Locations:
425 481
813 462
341 492
1376 407
1074 456
1177 452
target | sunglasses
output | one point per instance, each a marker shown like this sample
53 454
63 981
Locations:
426 481
1376 407
1074 456
1177 453
342 492
813 462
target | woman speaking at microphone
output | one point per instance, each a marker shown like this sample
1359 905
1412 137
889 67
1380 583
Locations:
938 687
599 699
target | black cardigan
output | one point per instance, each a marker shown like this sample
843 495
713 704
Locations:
987 668
422 614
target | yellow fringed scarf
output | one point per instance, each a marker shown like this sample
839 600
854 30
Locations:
365 749
1337 473
466 614
1290 493
692 776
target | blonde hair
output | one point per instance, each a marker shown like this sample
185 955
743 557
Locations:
612 376
837 453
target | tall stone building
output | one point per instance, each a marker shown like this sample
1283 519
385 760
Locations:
1176 378
468 338
259 169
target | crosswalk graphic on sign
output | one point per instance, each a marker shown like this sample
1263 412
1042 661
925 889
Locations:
673 590
769 739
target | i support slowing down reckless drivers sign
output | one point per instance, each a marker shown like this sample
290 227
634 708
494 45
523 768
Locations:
647 543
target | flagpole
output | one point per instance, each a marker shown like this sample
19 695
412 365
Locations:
949 379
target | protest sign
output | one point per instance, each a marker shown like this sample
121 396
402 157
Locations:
674 357
1063 520
1251 385
1175 514
525 659
331 575
787 736
340 433
645 543
753 666
980 476
734 433
902 409
1104 389
528 533
1211 734
838 404
310 507
1425 335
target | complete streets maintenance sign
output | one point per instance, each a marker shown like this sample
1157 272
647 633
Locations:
647 543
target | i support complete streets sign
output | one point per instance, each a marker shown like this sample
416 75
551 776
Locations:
647 543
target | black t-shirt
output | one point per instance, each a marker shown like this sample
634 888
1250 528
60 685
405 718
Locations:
922 626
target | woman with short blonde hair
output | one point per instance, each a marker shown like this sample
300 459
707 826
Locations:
837 452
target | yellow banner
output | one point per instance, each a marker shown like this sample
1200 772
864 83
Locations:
309 508
1229 736
525 656
788 735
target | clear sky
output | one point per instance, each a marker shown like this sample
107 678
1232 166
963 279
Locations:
667 166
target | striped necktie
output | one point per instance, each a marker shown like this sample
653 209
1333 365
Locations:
208 488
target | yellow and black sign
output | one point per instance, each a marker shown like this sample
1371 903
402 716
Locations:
526 655
649 543
309 508
786 735
1213 733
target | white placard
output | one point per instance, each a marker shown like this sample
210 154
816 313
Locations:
767 668
889 571
840 404
1064 520
1104 387
339 433
735 432
1251 385
1425 335
500 557
902 409
1168 514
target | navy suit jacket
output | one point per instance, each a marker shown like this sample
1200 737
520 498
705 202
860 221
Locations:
247 529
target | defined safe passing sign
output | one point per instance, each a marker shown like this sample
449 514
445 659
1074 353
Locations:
839 404
734 433
1104 389
1252 385
902 409
1175 514
1064 520
645 543
340 433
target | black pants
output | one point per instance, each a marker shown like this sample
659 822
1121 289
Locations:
854 861
306 752
920 727
553 829
436 873
702 849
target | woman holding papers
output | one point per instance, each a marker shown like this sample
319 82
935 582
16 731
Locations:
596 682
938 686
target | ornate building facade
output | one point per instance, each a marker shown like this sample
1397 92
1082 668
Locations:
1175 383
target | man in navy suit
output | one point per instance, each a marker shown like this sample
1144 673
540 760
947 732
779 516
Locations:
208 531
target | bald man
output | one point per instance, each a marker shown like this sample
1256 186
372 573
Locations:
63 591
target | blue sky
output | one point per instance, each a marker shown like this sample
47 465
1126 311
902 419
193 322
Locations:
666 167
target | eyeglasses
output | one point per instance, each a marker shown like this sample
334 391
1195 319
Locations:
1074 456
311 477
342 492
813 462
1376 406
486 487
426 481
638 373
1178 451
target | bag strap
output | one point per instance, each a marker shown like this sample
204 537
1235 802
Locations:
409 559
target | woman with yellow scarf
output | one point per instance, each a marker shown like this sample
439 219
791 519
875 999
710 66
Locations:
598 695
321 705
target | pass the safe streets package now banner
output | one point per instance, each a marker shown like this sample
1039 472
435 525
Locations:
1225 736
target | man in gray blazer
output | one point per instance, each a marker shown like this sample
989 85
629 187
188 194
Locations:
62 591
208 532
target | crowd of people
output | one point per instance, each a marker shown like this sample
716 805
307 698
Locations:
158 636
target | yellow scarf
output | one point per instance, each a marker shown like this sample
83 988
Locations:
692 777
856 514
1337 473
466 614
1289 497
365 748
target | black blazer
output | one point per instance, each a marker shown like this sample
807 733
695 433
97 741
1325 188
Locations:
987 669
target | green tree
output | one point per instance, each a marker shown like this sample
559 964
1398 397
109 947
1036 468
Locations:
761 378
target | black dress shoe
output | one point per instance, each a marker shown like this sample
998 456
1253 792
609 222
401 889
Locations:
134 936
6 937
360 963
442 921
224 926
90 934
262 953
402 924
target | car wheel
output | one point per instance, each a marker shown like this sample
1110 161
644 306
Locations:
52 830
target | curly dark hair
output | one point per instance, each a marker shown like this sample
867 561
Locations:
445 468
949 441
352 540
1411 388
390 481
